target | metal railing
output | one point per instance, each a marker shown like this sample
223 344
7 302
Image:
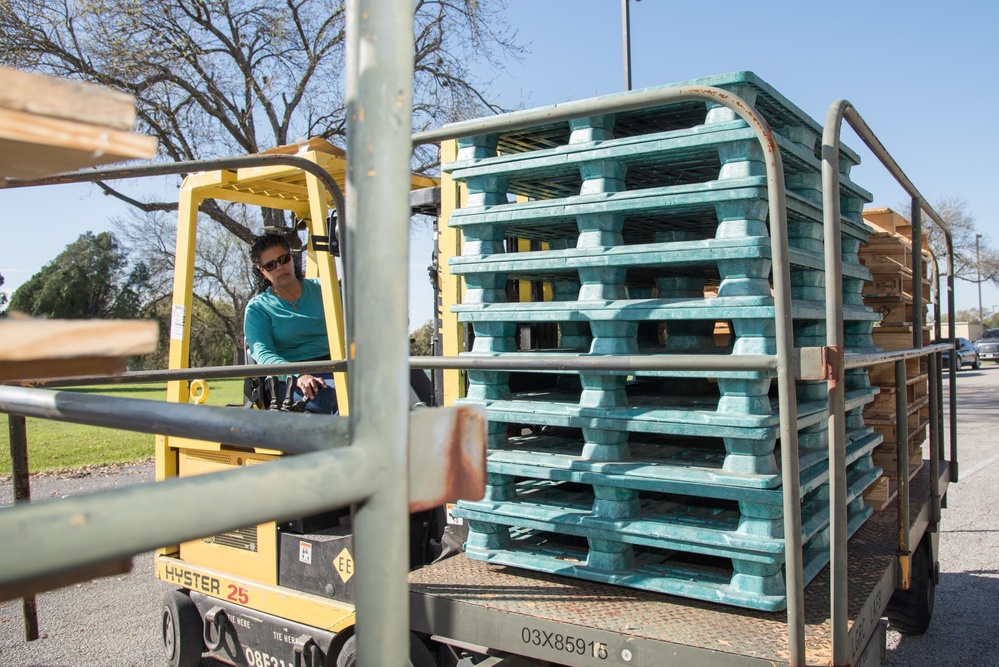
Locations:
372 472
784 360
378 151
372 421
837 112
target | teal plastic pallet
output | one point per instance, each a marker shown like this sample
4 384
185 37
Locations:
695 415
704 211
727 581
688 466
643 263
783 116
640 310
749 441
695 155
707 526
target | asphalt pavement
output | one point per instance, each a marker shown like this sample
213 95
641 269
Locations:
109 622
965 627
114 622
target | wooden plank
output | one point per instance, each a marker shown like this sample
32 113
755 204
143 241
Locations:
37 349
33 146
887 220
40 95
884 285
81 574
882 492
885 263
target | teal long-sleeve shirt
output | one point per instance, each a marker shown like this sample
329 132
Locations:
279 332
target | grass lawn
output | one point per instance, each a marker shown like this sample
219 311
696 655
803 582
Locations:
54 445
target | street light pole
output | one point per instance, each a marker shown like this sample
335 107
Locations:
626 38
978 271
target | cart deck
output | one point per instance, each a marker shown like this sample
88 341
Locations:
570 621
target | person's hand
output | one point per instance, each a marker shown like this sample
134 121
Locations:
310 385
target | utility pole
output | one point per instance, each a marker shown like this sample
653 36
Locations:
626 38
978 271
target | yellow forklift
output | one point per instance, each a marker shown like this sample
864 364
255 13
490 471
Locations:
269 595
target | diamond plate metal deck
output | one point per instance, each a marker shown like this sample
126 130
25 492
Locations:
491 605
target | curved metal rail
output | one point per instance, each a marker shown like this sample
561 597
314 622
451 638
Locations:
839 111
781 284
382 362
369 203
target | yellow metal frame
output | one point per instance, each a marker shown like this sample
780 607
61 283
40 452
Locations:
453 196
293 605
289 189
449 242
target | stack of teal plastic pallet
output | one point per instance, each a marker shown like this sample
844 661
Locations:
665 481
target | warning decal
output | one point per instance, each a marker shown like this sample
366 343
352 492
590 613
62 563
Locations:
344 564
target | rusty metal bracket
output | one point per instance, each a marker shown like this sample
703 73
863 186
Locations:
903 570
447 456
818 363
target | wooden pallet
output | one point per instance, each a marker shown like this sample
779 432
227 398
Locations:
888 255
884 491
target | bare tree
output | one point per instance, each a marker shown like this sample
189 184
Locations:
222 281
233 77
974 256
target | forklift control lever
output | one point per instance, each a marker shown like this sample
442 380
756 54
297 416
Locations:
272 388
289 397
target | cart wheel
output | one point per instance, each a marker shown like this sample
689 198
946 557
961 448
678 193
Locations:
419 654
909 612
182 630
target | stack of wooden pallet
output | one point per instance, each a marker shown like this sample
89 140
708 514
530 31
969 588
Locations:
665 481
888 256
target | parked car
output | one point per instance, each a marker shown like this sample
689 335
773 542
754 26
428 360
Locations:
967 353
988 345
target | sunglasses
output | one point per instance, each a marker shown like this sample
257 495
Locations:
273 264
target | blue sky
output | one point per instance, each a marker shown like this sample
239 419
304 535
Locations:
923 75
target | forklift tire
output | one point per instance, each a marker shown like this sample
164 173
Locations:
909 612
419 654
182 627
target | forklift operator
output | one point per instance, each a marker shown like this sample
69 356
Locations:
285 321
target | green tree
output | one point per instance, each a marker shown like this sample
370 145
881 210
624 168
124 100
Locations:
420 341
91 278
3 295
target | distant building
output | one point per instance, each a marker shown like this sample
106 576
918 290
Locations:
969 330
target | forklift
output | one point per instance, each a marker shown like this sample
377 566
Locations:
273 594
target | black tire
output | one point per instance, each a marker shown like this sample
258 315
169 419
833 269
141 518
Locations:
419 654
182 630
977 365
909 612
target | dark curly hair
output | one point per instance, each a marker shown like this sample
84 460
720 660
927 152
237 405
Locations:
262 243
